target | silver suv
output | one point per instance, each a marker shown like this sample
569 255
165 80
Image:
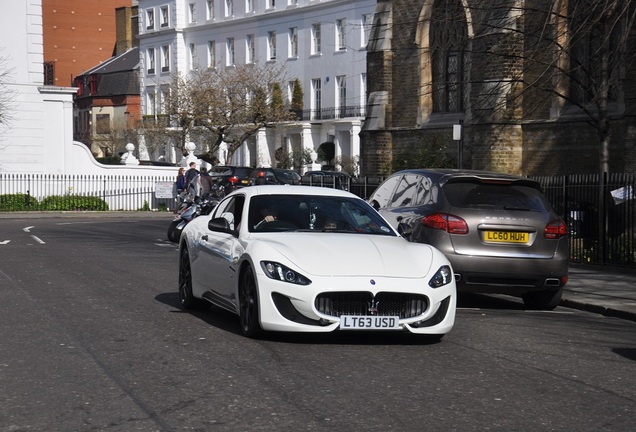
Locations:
498 231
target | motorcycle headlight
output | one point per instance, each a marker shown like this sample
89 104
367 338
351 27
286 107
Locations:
442 277
283 273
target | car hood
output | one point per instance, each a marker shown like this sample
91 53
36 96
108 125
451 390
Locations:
326 254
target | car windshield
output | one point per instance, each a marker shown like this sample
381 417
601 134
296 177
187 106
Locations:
287 175
493 196
303 213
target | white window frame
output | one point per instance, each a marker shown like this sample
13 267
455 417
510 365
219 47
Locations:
367 24
211 54
150 19
165 58
316 43
165 16
316 98
192 56
151 101
229 8
209 10
249 49
192 13
293 42
271 4
229 52
341 35
249 6
341 95
271 45
150 62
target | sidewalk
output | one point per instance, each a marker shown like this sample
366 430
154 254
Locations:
601 290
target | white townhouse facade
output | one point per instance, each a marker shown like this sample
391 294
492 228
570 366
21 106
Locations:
321 42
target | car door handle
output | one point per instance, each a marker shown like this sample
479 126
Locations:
204 238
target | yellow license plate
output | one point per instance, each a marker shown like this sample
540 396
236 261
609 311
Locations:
505 237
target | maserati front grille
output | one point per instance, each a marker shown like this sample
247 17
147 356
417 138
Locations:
404 305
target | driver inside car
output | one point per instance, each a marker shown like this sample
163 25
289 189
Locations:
269 213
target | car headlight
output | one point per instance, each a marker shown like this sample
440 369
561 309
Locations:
282 273
442 277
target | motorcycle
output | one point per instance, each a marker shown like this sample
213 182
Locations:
190 208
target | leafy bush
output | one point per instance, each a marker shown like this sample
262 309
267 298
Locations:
18 202
73 203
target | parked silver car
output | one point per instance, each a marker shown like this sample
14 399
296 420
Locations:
498 231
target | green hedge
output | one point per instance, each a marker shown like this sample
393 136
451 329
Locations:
22 202
18 202
73 203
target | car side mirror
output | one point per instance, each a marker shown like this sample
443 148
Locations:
220 224
405 230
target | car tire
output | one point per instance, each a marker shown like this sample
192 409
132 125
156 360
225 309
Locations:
248 304
173 233
186 297
543 300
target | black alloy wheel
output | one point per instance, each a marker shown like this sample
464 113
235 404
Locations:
248 304
187 299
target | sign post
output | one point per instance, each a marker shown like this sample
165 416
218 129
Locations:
457 136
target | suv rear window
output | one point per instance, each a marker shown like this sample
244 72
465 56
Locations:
501 197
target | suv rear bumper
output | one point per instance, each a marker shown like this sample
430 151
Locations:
514 276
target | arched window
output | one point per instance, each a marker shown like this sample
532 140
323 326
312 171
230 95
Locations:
448 37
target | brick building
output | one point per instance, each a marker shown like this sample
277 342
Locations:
522 82
77 36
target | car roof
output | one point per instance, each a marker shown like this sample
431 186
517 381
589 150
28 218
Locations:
449 175
331 173
293 190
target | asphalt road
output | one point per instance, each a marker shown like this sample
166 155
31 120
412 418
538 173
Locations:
92 338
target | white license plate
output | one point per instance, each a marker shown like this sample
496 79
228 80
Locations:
354 322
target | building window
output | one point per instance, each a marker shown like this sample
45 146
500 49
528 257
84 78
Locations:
271 4
92 85
212 54
49 74
363 91
150 19
271 45
165 19
151 103
293 42
447 42
315 39
249 49
341 36
165 100
292 2
102 124
249 6
341 95
150 61
367 23
165 58
316 100
229 8
229 52
193 56
210 10
192 13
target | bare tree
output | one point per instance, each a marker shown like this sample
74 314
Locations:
227 104
570 56
6 94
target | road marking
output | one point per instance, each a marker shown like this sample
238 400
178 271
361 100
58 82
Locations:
37 239
28 229
4 242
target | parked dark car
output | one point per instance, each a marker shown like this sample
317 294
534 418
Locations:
274 176
334 179
498 231
232 177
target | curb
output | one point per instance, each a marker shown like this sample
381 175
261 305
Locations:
602 310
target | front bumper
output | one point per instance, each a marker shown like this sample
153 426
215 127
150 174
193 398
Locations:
318 307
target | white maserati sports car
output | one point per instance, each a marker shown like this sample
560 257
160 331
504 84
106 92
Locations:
312 259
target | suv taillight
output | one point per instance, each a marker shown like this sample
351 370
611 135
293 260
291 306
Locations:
446 222
555 229
233 179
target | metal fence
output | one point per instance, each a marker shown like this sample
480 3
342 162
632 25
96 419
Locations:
600 210
37 192
600 213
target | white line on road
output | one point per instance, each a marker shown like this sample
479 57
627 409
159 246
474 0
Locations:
37 239
4 242
28 229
